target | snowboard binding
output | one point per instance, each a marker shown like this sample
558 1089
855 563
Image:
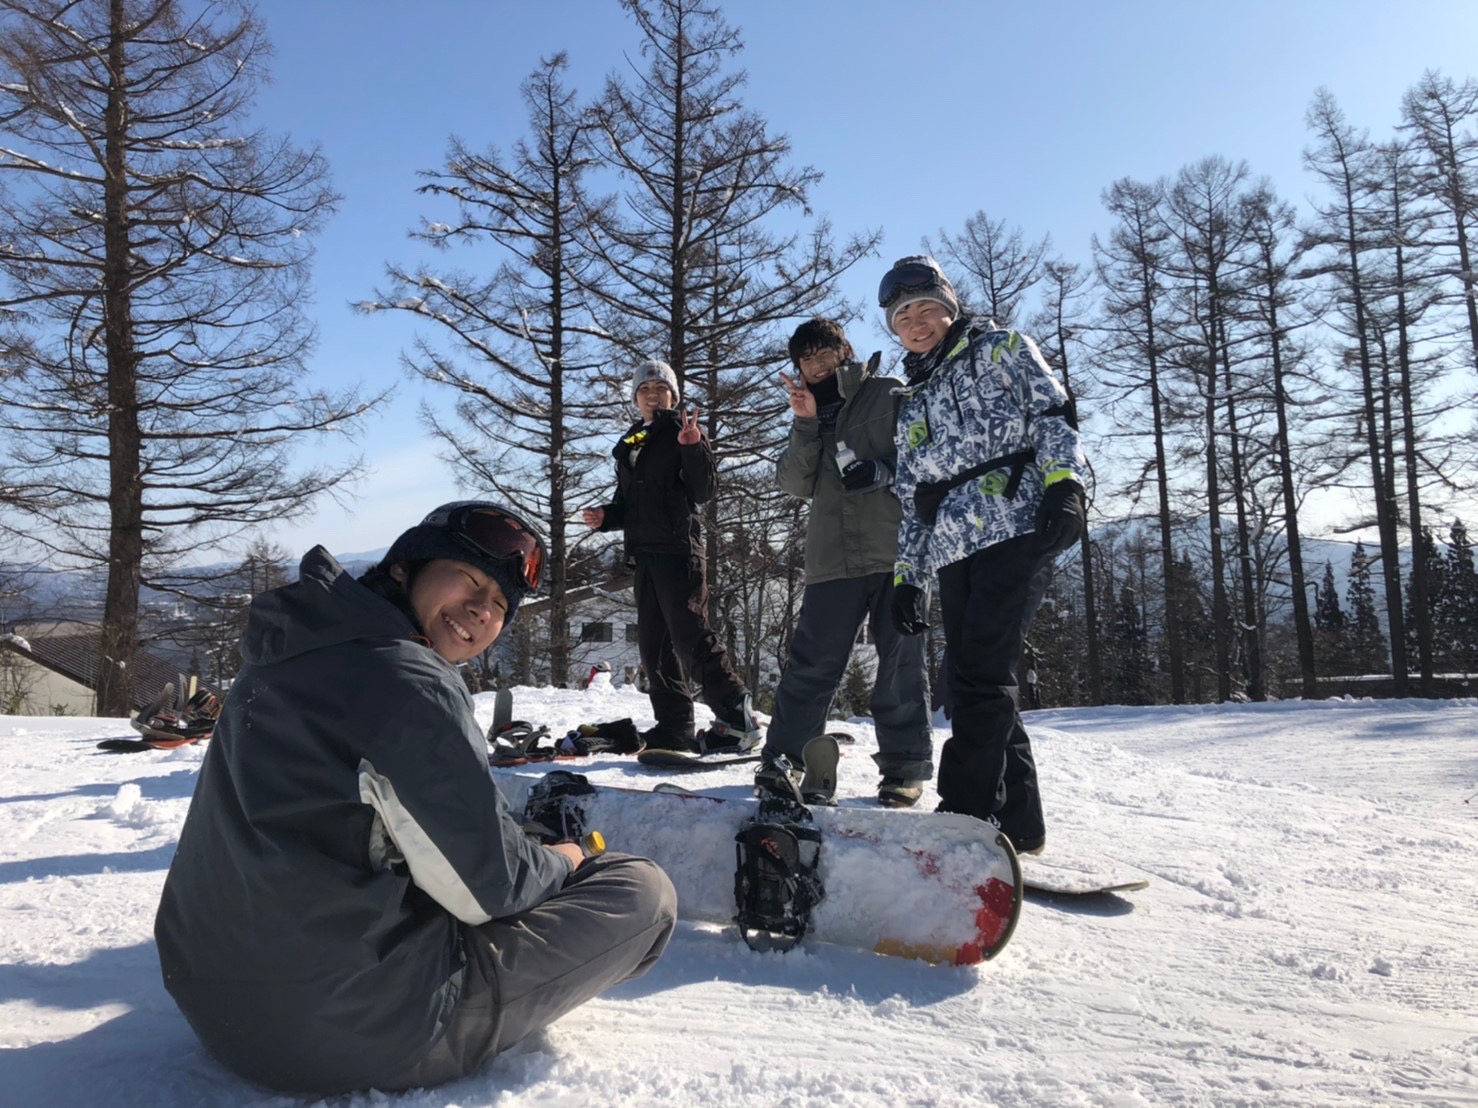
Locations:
553 812
515 739
776 884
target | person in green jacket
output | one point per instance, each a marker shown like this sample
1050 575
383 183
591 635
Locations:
840 457
352 904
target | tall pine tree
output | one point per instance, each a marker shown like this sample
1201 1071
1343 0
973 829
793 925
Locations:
1367 640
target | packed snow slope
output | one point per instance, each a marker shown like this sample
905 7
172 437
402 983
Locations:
1308 936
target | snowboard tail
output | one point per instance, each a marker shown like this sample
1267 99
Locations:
1076 872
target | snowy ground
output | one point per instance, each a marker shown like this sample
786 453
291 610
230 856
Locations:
1308 938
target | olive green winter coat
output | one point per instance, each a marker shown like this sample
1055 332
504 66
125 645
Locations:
850 534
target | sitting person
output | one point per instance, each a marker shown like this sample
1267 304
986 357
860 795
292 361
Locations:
353 904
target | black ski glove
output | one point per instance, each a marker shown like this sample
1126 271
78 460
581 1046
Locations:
866 475
1061 517
910 609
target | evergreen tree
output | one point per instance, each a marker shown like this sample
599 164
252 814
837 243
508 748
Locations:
1331 628
1197 631
1458 613
855 694
1429 569
1367 640
1129 651
1328 615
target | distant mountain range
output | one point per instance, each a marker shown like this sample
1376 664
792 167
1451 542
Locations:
78 594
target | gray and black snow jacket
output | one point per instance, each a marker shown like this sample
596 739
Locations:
848 534
344 836
984 428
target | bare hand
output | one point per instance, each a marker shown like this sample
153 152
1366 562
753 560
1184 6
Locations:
690 432
802 400
571 851
593 517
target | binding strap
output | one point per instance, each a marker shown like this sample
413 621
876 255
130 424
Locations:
776 883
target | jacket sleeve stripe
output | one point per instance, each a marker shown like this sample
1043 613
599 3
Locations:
430 868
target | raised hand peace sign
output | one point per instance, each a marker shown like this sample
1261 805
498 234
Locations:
802 400
690 432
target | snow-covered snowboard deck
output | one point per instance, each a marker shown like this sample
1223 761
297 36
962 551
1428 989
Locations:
937 887
1070 871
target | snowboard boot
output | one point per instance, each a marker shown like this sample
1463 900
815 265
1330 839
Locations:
1029 846
669 736
899 792
734 726
819 785
777 777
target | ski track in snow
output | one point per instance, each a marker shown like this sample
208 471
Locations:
1307 937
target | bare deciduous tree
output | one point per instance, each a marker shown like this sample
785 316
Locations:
524 380
154 256
708 255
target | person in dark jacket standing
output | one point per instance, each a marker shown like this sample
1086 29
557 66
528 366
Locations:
664 470
352 904
840 457
989 465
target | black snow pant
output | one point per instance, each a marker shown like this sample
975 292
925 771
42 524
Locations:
675 641
986 768
831 612
609 922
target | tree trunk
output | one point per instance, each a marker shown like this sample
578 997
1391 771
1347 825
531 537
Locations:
1303 625
125 443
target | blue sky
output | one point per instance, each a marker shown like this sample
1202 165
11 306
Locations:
919 114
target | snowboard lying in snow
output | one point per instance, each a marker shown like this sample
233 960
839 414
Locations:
1073 871
932 886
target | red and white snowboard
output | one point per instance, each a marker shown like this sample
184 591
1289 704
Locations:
939 887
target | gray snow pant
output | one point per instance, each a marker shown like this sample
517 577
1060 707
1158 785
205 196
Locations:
609 923
825 632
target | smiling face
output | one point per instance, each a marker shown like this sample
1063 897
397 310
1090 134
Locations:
461 608
818 365
920 324
652 397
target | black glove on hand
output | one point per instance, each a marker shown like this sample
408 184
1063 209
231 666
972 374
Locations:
910 609
1061 517
866 475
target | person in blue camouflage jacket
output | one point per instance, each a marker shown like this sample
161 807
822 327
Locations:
989 475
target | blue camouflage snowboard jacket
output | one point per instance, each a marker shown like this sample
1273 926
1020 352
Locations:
984 427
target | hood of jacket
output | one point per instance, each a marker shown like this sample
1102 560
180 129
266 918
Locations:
323 607
851 375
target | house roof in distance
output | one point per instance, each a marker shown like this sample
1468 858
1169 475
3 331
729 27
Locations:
75 656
